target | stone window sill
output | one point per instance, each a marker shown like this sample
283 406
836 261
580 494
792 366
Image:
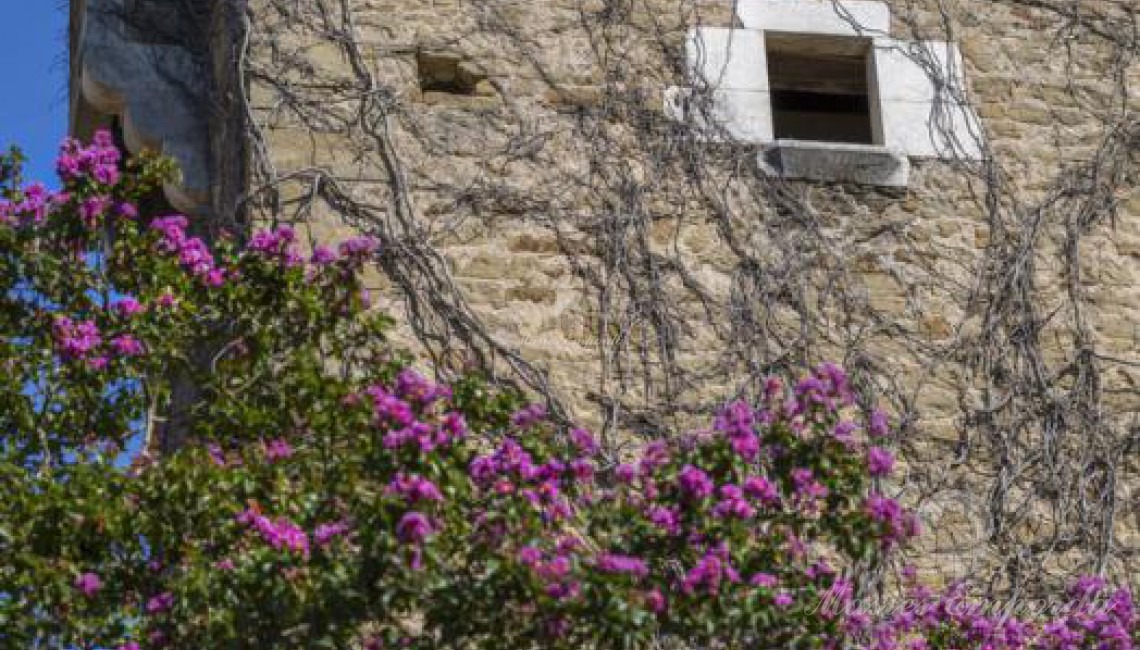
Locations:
836 162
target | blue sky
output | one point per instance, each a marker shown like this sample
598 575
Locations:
33 97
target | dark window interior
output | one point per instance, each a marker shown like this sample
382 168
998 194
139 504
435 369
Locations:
447 73
820 88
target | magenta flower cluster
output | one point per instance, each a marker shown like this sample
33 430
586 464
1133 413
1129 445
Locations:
1095 618
279 244
82 341
279 533
98 162
395 410
192 252
88 584
744 518
75 340
277 449
33 208
679 499
283 534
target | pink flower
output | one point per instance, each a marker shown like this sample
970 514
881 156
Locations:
706 575
88 584
806 486
482 470
160 603
664 518
127 210
279 534
528 416
323 256
733 504
98 162
278 449
878 427
126 345
92 208
390 410
880 462
582 469
127 307
75 340
529 556
898 524
414 489
613 563
655 456
763 580
625 473
414 528
736 421
325 533
359 249
278 244
584 442
215 278
655 601
695 482
844 432
762 490
564 590
783 599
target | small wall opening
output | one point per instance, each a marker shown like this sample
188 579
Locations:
821 88
448 73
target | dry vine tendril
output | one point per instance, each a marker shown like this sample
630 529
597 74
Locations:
1043 428
357 503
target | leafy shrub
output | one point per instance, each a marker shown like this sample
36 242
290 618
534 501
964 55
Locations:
328 495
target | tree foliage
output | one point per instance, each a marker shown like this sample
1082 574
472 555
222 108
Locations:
328 495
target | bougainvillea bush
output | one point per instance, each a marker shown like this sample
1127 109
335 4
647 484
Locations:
214 447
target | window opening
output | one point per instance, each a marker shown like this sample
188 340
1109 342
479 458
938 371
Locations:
821 88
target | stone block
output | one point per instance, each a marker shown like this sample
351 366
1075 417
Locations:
728 59
843 18
932 130
574 96
742 115
916 71
832 161
466 102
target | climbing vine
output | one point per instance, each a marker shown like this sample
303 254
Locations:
972 304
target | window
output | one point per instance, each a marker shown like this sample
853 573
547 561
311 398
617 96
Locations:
824 84
820 89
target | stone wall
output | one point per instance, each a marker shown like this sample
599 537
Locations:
540 212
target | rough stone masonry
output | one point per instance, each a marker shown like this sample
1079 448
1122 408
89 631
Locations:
569 199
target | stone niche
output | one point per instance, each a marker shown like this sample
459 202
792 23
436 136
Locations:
447 78
825 92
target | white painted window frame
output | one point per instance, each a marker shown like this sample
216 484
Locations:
914 113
